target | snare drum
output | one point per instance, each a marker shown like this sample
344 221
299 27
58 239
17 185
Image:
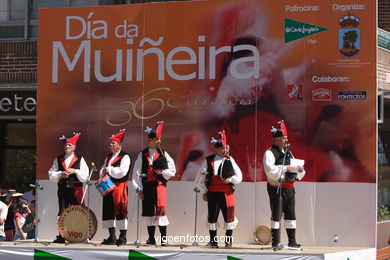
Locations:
105 185
76 224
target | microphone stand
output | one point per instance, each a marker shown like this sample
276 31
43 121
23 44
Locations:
137 242
86 191
279 193
195 193
37 188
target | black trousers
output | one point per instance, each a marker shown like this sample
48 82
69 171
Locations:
66 197
108 208
149 203
216 202
287 205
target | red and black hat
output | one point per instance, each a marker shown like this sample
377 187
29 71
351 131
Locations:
156 132
72 140
221 142
280 131
119 136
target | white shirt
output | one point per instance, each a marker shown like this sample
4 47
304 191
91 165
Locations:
3 217
235 179
82 173
273 171
167 173
116 172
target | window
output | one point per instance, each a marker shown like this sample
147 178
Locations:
18 152
19 18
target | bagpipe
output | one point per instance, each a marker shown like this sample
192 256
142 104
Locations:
161 162
226 169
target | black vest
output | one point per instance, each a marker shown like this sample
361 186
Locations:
72 180
279 156
290 176
210 171
117 164
145 167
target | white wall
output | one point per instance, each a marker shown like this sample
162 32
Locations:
322 209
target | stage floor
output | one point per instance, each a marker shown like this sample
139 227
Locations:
46 250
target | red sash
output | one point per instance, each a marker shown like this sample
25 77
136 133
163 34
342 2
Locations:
287 184
119 195
151 175
217 184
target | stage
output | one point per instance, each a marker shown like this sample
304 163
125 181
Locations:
46 250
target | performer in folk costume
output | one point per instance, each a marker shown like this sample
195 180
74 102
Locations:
152 169
287 174
69 171
117 167
221 174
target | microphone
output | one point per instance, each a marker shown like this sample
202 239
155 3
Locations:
287 145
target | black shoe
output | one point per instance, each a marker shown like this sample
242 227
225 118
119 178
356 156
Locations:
295 245
212 245
121 241
228 245
164 244
109 241
59 239
151 242
277 247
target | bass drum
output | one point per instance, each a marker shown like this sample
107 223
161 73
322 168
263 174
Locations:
263 235
75 223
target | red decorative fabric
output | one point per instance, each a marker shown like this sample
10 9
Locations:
230 205
161 199
119 195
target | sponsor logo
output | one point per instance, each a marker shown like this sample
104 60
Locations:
352 95
349 35
294 92
294 30
321 94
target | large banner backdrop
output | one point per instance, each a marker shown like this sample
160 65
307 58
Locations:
205 66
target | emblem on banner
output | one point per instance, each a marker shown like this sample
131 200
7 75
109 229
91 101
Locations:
294 30
349 35
294 92
352 95
321 94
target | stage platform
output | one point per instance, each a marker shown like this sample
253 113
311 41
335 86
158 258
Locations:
45 250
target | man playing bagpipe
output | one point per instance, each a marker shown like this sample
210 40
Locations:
152 169
221 174
281 175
